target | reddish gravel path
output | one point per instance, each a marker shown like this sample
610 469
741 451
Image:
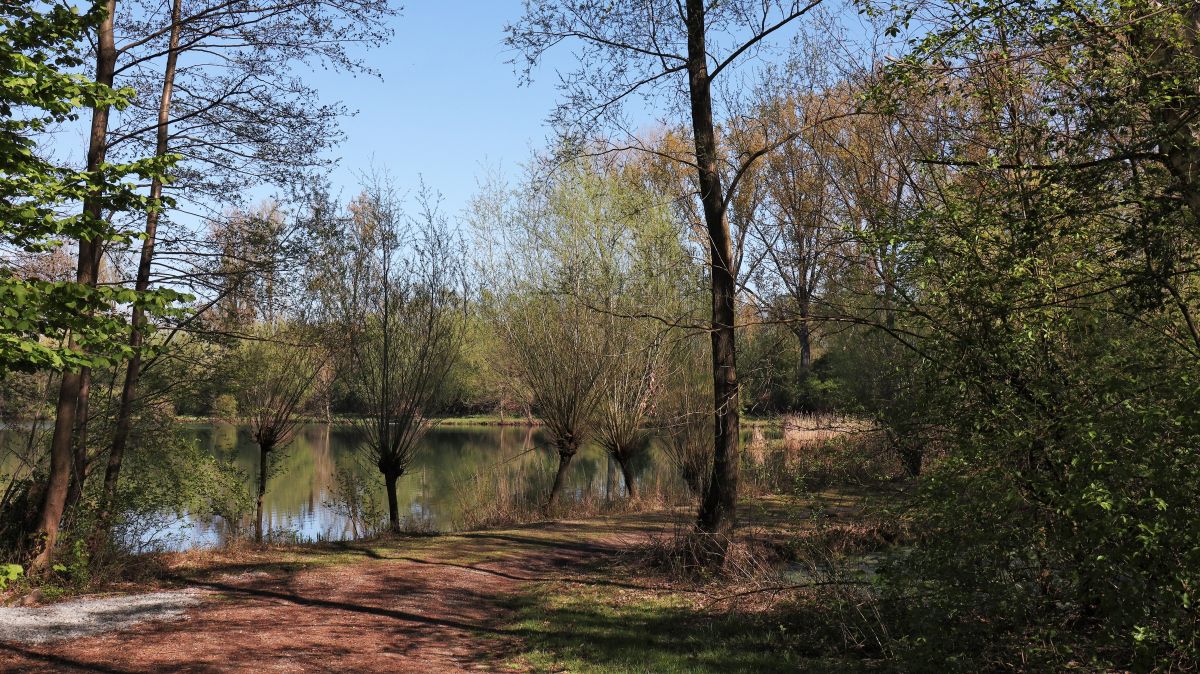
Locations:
412 605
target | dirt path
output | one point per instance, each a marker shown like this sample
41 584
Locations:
422 605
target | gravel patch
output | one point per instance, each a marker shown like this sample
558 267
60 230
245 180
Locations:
87 617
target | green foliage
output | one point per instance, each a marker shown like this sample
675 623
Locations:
169 476
10 573
1050 295
355 496
594 629
39 48
225 407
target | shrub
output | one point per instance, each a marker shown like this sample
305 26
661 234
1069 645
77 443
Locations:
225 407
10 573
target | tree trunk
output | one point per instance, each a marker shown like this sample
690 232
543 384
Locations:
627 473
79 460
564 460
1173 114
263 455
805 335
912 461
61 457
718 512
393 502
116 452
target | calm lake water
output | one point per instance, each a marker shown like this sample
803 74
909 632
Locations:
443 479
432 494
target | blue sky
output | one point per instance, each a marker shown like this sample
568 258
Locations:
448 105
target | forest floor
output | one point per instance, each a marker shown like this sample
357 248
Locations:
574 596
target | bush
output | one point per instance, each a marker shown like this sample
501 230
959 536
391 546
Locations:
356 496
819 451
10 573
225 407
167 477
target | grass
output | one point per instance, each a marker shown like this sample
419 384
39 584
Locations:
620 616
588 629
609 613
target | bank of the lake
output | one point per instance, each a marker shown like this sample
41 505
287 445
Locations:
574 595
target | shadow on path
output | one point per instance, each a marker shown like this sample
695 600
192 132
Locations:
343 606
58 662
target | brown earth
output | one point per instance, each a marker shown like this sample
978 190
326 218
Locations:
398 604
433 604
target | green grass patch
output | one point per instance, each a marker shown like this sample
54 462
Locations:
607 629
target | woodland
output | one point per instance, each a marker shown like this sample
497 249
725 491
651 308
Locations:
895 301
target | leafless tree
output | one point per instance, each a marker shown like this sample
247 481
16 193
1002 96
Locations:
277 376
399 299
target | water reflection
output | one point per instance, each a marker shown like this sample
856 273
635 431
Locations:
432 494
438 487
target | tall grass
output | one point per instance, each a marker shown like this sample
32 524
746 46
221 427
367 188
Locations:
818 451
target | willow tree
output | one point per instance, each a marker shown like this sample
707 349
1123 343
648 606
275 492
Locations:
276 373
639 273
397 293
673 54
556 349
681 419
550 339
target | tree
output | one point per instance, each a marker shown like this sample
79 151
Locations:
399 298
277 375
681 419
1047 282
799 230
235 118
630 389
677 50
551 341
38 51
557 350
636 272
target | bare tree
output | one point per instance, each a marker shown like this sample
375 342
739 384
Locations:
799 229
556 348
399 297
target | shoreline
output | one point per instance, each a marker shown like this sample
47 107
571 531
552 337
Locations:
481 420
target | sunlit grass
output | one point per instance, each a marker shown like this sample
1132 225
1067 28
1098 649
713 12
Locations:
602 629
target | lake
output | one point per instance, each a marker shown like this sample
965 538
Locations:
300 491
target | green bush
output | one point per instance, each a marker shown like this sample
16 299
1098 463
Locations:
225 407
166 476
10 573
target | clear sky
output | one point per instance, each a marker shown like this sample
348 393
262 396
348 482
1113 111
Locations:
448 105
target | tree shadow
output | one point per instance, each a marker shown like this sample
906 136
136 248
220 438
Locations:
41 662
315 602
